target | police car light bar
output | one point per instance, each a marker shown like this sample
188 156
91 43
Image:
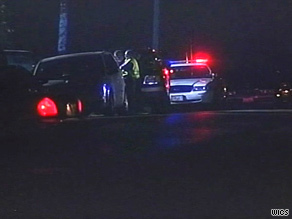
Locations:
179 64
188 62
201 60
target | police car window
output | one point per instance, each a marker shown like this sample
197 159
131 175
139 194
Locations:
111 65
73 66
190 72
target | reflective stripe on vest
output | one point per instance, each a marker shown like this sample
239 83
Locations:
136 69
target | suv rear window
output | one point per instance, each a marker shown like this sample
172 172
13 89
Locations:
75 66
111 64
18 58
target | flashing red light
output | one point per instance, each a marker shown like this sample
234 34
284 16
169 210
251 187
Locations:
79 106
203 61
47 107
202 57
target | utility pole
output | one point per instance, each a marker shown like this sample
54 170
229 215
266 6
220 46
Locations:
63 27
156 12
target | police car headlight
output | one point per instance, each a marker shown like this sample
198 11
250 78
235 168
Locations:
151 80
199 88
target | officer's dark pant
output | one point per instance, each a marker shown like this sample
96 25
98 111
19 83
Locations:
133 90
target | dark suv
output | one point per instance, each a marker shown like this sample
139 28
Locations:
155 81
92 77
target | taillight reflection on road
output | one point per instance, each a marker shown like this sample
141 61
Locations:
79 105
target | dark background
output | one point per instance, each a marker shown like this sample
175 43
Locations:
248 41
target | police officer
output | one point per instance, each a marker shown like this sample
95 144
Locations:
119 56
131 72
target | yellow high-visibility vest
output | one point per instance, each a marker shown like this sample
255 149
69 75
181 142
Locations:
136 69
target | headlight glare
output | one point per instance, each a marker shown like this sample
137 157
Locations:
199 88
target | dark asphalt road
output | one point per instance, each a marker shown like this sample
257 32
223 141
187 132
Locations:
225 164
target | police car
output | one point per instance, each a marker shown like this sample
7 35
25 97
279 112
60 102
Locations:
194 82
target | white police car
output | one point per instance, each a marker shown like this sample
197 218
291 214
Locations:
194 82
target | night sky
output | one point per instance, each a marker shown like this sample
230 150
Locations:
246 39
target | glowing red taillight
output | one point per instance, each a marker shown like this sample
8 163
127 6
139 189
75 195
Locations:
166 77
47 107
79 106
166 72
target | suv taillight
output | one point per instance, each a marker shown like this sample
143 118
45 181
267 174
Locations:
166 76
47 107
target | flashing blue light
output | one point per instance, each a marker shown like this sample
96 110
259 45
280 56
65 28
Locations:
176 61
105 91
172 62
